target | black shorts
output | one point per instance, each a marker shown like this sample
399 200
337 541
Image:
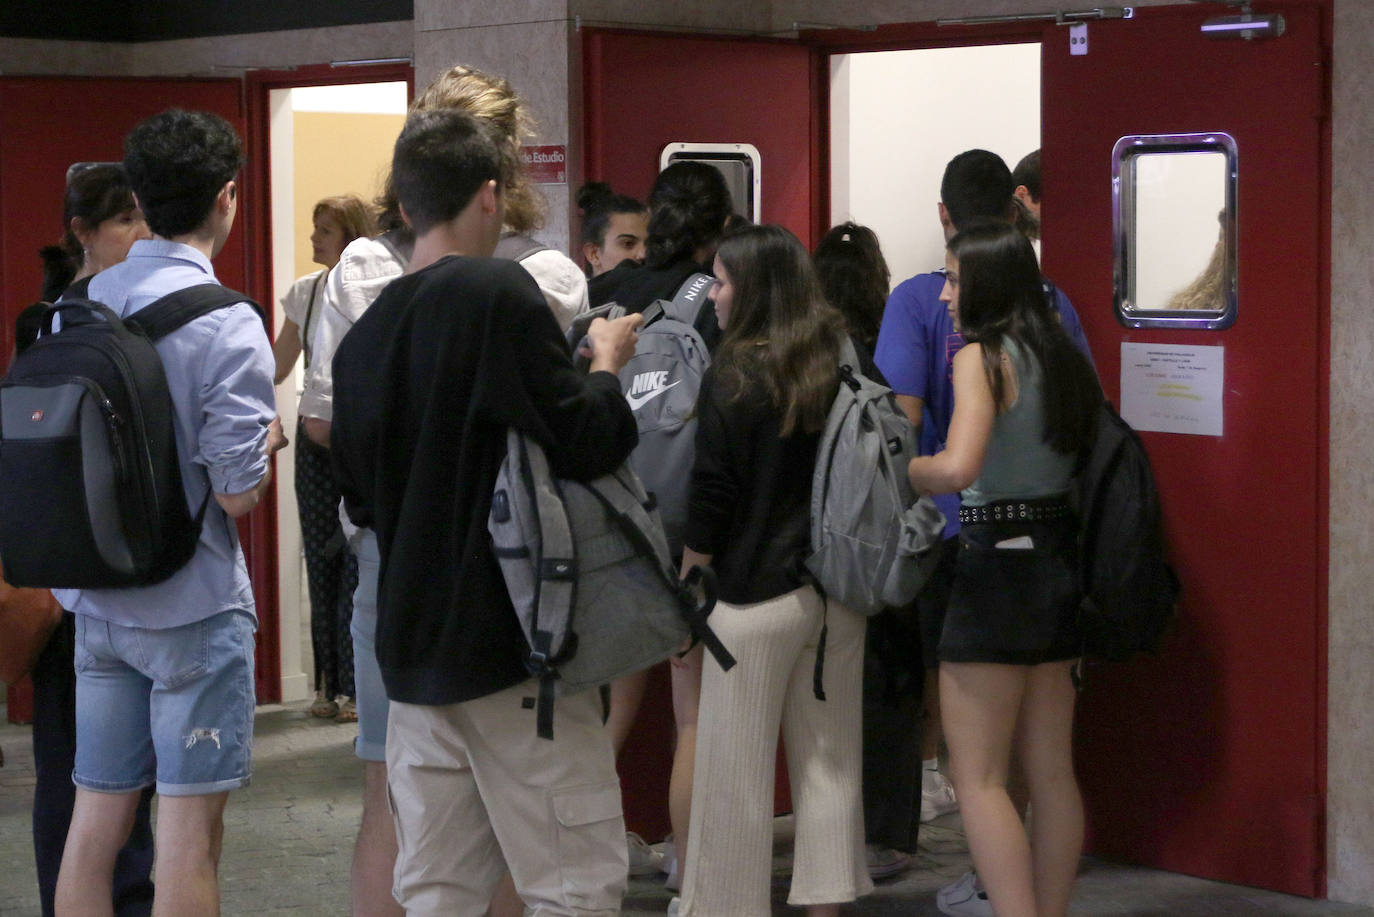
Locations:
932 600
1018 603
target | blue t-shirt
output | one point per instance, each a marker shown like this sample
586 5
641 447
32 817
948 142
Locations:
916 348
219 370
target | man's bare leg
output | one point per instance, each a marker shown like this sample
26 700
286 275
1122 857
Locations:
190 833
101 823
374 852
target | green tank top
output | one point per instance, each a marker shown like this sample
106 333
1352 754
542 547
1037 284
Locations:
1019 464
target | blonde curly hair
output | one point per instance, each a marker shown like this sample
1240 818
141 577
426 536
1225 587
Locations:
492 98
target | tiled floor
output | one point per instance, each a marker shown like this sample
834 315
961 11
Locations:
289 838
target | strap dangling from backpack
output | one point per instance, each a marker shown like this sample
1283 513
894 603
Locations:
818 673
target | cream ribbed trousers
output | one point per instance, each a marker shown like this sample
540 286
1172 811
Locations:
730 843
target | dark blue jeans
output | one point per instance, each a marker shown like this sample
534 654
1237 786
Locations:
54 753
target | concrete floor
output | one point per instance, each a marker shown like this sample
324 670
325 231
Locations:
289 838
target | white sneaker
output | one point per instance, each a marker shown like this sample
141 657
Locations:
671 865
673 907
937 795
964 898
644 860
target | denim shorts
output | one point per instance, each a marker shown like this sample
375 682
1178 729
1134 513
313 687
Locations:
367 674
168 706
1015 594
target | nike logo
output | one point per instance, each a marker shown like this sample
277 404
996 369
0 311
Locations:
638 401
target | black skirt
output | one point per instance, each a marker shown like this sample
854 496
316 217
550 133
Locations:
1015 595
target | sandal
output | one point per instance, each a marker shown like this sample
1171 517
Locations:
348 712
323 707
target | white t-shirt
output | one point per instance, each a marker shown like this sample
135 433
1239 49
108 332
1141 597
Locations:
297 304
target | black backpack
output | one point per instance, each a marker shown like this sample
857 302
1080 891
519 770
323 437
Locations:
90 487
1130 593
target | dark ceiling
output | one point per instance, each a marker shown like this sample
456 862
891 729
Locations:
159 20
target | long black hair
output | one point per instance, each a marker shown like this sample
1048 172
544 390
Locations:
855 278
1001 295
782 333
96 192
688 208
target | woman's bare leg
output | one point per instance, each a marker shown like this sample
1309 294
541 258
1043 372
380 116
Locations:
686 675
1046 752
980 703
626 695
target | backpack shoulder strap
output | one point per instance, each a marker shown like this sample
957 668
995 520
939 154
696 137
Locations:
518 247
172 311
655 311
687 301
849 355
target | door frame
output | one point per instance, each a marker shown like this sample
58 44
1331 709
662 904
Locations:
257 87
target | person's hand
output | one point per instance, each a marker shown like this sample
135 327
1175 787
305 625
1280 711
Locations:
613 342
276 439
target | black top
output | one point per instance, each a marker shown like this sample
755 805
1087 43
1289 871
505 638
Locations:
749 504
634 286
425 385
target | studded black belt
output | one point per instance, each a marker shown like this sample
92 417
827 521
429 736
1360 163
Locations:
1015 511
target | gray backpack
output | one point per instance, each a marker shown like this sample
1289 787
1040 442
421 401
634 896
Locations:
868 530
588 571
661 382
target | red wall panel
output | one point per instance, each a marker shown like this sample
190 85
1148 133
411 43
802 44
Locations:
642 92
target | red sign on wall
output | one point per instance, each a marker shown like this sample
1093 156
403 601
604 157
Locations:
546 165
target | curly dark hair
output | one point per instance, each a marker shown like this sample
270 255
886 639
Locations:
178 161
688 208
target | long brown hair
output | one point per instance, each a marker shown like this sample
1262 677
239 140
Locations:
781 332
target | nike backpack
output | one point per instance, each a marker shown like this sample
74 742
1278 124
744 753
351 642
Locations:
588 571
871 538
90 487
1130 592
661 382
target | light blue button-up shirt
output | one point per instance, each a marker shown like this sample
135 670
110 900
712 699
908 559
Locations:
219 369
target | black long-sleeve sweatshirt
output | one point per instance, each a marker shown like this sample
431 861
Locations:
749 503
425 385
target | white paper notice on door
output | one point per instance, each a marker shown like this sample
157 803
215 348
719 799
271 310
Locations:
1170 388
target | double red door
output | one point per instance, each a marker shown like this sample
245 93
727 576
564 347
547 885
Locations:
1209 759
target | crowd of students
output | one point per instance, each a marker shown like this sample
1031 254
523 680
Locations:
421 349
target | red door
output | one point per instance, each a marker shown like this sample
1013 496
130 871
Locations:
644 91
45 125
1210 759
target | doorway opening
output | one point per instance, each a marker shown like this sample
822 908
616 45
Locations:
896 119
323 141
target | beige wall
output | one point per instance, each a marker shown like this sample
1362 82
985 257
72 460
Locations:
529 43
1350 718
320 170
